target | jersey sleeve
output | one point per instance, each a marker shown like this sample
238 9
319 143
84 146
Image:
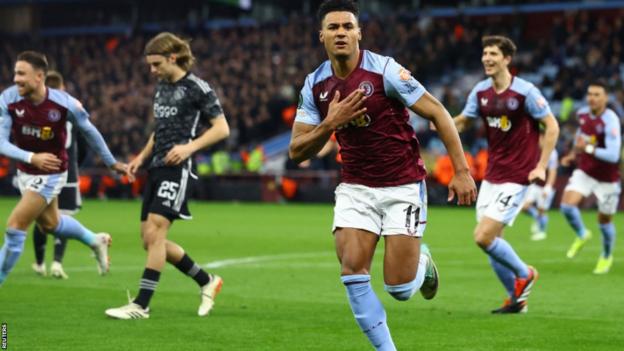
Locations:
471 110
6 147
399 84
80 118
536 105
209 105
306 109
613 140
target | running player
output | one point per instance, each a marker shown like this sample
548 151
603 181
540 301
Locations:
512 110
540 196
69 200
597 153
35 117
363 97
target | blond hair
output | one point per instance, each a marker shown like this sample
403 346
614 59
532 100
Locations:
166 44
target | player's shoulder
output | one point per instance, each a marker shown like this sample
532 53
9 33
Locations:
583 110
62 98
10 95
521 86
610 116
194 82
483 85
321 73
375 63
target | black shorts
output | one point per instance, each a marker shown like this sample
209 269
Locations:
69 200
166 193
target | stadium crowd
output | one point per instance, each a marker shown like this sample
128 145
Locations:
258 70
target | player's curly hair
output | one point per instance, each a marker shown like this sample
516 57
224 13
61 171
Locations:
166 44
337 5
506 45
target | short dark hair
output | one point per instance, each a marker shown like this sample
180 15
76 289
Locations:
36 59
337 5
505 44
54 80
599 83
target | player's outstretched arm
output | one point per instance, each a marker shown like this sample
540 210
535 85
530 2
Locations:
462 183
307 140
551 133
219 131
80 118
137 162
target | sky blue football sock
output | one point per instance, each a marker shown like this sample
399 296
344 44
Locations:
368 311
542 222
501 251
504 274
68 227
608 238
533 212
573 215
11 251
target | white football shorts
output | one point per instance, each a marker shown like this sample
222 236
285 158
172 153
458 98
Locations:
607 194
500 202
46 185
391 210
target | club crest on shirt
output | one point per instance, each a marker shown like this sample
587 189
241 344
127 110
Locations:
367 87
512 103
54 115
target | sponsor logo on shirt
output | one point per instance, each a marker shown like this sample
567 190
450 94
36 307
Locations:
43 133
503 123
163 111
360 122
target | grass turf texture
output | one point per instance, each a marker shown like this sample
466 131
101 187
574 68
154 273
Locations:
289 297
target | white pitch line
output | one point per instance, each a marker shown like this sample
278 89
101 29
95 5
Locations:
267 258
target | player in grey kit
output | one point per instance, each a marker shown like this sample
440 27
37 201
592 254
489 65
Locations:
180 102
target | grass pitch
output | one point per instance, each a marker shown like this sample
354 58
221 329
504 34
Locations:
282 289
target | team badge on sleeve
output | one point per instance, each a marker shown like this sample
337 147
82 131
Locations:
405 74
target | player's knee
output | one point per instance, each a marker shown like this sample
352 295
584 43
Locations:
482 239
47 226
604 218
152 238
17 223
401 292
